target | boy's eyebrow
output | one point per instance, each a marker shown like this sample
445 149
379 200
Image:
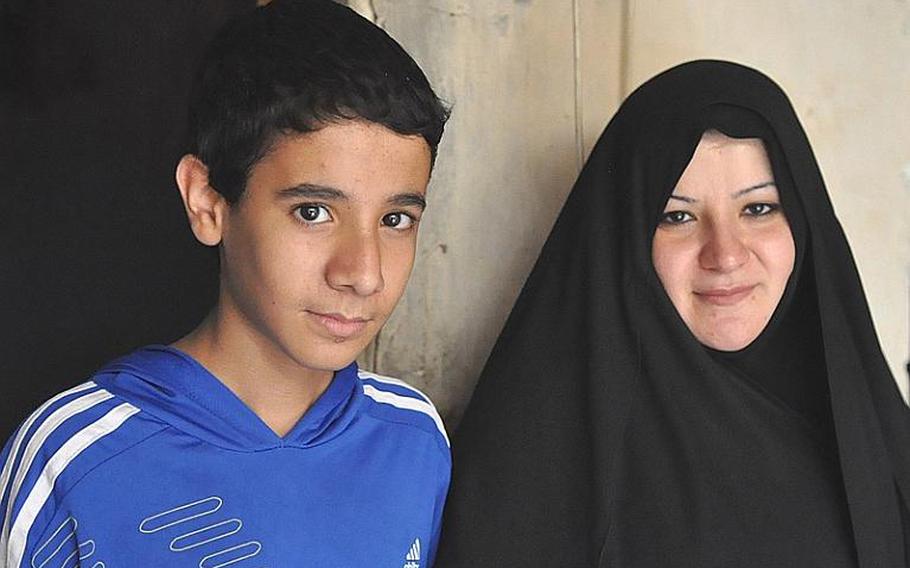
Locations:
408 200
312 191
316 191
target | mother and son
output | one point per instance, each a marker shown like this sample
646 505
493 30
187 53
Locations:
690 376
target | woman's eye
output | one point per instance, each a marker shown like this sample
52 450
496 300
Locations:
675 218
760 209
400 221
313 214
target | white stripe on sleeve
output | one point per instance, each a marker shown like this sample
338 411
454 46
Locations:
108 423
34 445
407 403
23 431
392 381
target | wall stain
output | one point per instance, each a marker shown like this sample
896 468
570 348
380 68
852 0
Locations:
502 24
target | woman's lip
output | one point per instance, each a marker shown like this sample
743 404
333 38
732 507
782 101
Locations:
339 325
725 296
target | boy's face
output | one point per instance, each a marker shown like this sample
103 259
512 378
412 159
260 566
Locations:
317 251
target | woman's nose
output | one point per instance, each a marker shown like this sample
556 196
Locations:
724 249
356 264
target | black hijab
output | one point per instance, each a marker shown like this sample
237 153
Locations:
602 433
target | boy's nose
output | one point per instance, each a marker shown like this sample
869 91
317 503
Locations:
357 264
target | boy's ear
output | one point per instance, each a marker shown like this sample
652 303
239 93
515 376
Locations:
205 207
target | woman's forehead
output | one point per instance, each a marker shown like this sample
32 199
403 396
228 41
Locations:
729 165
713 138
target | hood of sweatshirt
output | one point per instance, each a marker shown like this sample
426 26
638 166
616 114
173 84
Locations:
175 388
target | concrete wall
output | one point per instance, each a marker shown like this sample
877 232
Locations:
533 83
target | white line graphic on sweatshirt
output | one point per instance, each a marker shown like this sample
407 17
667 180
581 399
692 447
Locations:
181 514
67 549
231 555
196 535
412 560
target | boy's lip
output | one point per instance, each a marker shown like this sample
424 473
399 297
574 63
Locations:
340 325
725 296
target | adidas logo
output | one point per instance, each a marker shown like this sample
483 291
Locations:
412 560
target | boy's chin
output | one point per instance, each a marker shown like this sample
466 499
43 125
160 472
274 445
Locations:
331 354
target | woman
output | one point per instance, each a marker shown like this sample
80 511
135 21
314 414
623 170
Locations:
690 376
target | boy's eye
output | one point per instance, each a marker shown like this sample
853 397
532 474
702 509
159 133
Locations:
313 214
675 218
760 209
400 221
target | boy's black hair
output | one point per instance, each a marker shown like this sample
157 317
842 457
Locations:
293 66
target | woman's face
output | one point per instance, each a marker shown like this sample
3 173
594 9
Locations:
723 249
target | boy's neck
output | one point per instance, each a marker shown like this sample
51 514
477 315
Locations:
269 382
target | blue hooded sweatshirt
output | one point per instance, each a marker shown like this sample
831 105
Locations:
154 462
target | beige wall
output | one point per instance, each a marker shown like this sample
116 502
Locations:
533 83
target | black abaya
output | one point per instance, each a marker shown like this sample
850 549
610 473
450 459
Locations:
602 434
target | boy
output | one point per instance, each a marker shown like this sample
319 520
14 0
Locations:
255 440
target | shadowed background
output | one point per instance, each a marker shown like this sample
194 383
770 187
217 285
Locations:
96 256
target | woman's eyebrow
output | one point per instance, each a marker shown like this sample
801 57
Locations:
737 194
761 185
684 198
